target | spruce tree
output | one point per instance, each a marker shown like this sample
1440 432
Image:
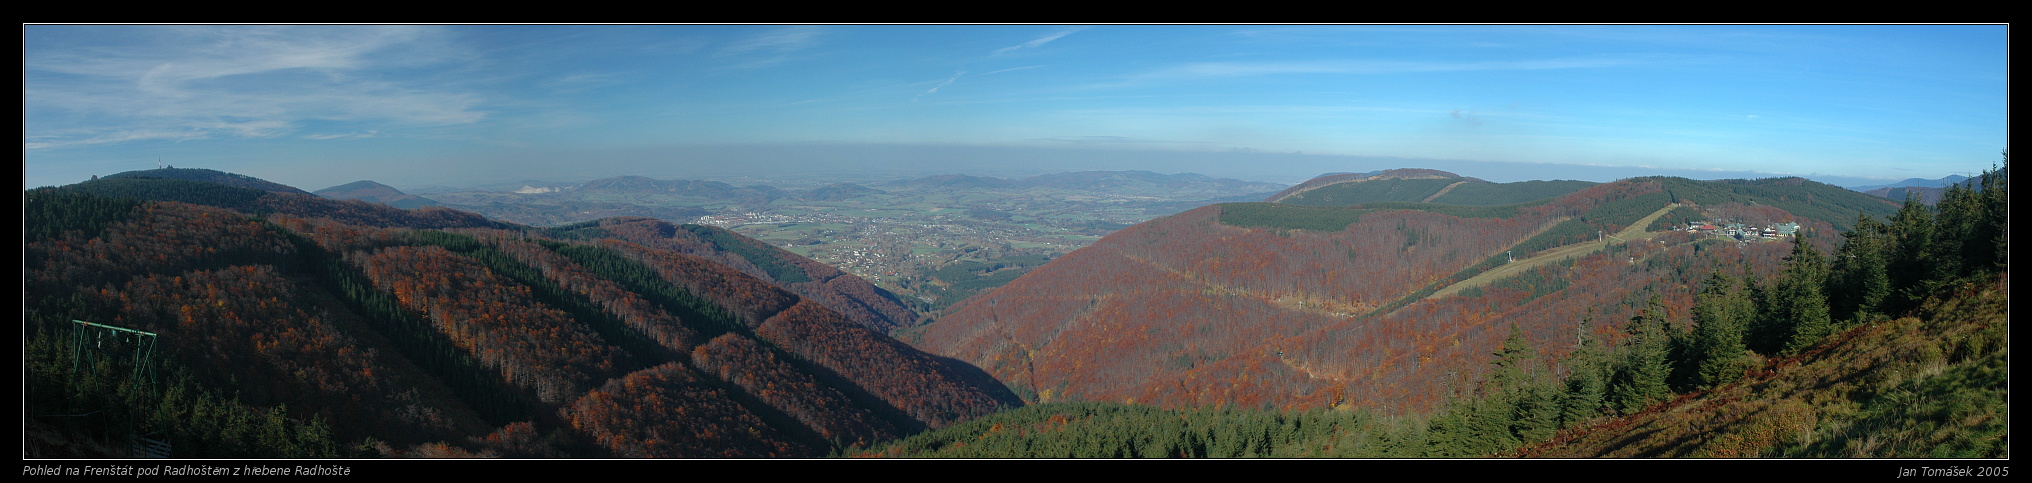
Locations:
1996 234
1536 412
1510 363
1586 382
1861 280
1641 372
1799 309
1720 315
1956 222
1910 264
1489 426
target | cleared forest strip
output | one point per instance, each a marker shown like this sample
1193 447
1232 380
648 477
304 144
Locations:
1633 232
1442 192
1300 191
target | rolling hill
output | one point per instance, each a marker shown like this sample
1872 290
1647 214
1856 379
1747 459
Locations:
373 192
1296 306
1672 343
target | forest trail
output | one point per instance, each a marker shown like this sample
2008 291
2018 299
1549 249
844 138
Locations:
1633 232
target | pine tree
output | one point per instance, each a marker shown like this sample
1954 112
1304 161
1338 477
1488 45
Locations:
1446 433
1586 381
1721 313
1970 224
1996 201
1910 264
1957 220
1860 281
1536 412
1641 373
1489 426
1799 311
1510 371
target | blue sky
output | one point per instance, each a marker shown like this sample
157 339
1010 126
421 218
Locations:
316 106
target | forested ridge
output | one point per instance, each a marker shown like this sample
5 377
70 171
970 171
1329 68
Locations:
1271 306
293 326
1893 345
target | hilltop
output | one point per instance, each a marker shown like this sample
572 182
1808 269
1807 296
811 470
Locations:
199 174
372 192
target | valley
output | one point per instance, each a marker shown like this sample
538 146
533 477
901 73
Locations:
898 234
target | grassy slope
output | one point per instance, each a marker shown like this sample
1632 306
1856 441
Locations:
1634 232
1930 385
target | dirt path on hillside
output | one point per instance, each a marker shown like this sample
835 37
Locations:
1633 232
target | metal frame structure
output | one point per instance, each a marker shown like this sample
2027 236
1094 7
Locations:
91 340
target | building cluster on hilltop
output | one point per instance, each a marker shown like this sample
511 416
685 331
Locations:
1741 232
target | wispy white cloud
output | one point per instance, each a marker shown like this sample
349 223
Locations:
235 82
350 135
1038 42
109 137
1011 69
1382 67
772 47
941 85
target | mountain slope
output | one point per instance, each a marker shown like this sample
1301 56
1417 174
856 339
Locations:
435 332
1318 306
1929 385
853 296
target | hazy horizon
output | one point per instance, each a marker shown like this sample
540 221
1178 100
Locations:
419 105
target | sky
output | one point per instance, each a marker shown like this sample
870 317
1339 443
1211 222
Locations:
458 105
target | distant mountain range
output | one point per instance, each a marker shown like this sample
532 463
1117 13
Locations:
1943 182
1927 191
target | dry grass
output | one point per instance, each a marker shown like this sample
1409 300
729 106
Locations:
1930 385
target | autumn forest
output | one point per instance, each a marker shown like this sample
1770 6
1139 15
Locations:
1407 313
